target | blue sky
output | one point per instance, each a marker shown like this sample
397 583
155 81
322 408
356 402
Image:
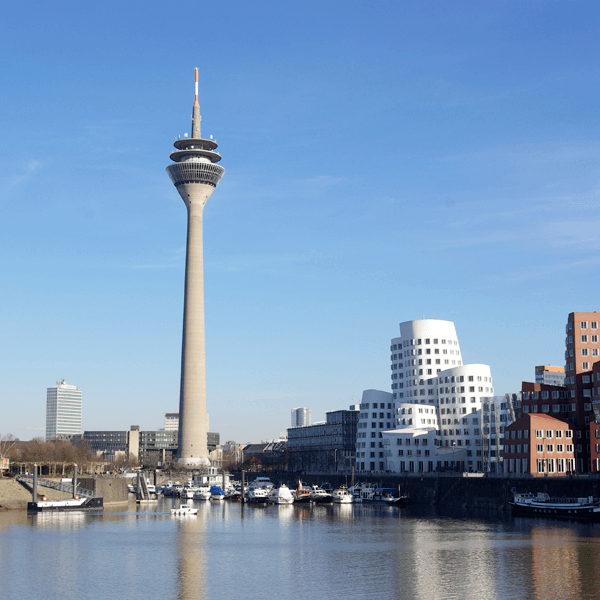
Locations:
384 161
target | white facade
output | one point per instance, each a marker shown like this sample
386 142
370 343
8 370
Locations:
461 392
171 421
436 403
424 349
63 410
301 417
413 445
377 414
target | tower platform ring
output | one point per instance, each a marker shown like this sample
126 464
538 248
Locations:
207 173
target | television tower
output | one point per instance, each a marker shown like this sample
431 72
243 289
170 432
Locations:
195 174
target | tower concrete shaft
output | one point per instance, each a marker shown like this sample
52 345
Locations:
195 174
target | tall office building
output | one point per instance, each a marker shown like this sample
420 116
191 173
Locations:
195 174
301 417
63 410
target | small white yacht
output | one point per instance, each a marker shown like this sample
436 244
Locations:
257 495
184 509
202 494
281 495
342 496
263 482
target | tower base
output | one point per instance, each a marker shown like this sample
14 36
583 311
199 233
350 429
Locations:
192 463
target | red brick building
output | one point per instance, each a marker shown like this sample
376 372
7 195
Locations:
595 424
582 351
539 445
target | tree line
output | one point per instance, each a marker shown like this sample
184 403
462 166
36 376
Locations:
54 456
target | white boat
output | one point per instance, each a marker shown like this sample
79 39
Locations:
216 493
263 482
257 495
202 494
318 495
281 495
342 496
184 509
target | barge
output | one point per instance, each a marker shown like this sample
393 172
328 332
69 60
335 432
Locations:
542 505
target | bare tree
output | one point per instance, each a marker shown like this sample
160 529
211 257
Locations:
7 443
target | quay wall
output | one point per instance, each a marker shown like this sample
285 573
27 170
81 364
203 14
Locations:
112 489
455 491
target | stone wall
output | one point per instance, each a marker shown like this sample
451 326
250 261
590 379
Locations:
112 489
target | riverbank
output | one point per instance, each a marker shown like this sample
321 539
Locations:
15 496
456 491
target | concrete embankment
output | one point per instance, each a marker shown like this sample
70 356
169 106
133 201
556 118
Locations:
15 496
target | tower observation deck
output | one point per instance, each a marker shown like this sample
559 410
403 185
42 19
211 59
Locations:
195 173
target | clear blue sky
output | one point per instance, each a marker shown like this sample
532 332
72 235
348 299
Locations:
384 161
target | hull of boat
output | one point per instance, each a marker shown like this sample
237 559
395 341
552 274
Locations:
66 505
261 500
589 512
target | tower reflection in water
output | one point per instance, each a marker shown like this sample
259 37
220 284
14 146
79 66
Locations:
191 557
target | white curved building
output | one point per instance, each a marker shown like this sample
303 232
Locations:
424 348
427 369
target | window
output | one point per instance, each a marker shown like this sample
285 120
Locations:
568 433
539 433
585 366
583 324
539 448
549 433
550 448
584 352
584 339
594 325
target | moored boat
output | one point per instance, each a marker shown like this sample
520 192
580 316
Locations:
320 496
281 495
77 503
257 495
302 494
542 505
216 493
342 496
202 494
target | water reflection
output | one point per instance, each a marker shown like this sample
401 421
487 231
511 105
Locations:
191 557
142 552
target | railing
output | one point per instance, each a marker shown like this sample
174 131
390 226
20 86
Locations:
56 485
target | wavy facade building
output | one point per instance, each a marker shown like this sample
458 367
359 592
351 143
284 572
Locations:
436 405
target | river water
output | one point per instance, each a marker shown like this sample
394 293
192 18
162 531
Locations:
293 552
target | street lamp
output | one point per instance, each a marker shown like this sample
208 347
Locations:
335 458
